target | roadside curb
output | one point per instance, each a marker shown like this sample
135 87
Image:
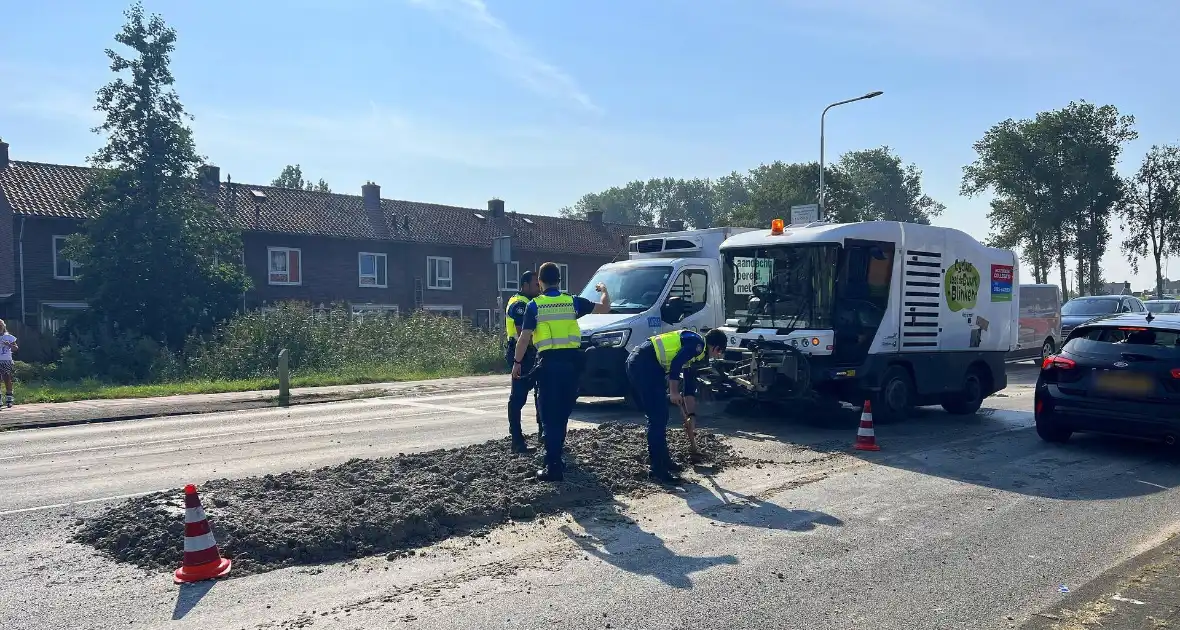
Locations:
50 415
1148 585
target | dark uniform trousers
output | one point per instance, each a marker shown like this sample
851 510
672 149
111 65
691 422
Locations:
520 391
557 380
650 384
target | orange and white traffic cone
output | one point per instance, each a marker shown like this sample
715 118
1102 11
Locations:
202 559
866 439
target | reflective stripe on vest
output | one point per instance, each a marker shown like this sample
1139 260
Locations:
557 323
509 323
667 346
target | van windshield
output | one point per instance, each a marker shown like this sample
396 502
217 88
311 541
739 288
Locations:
633 289
785 286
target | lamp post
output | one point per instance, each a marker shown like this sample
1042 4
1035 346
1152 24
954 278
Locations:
821 143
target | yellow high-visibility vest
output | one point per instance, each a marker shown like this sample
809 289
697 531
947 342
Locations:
509 323
668 345
557 323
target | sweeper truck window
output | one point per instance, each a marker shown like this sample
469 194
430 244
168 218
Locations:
787 286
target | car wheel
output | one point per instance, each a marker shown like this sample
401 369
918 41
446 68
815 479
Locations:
970 398
1050 431
894 400
1048 349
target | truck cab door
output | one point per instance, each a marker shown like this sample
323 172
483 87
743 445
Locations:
688 304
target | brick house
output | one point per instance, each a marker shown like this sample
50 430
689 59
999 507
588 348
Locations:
379 255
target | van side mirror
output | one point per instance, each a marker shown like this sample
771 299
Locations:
672 311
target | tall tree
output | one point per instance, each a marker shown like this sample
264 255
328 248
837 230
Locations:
1150 211
1011 217
775 187
157 258
292 177
888 190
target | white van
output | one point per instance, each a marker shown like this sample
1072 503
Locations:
1040 322
669 281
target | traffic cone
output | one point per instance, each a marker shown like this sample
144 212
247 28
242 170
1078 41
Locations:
202 559
866 439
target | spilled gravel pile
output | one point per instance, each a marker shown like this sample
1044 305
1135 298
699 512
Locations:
385 506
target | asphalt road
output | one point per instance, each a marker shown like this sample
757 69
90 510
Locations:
959 522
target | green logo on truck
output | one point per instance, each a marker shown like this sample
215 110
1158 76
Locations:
961 285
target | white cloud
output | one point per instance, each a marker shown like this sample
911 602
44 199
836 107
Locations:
472 20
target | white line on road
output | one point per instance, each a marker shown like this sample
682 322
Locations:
62 505
287 427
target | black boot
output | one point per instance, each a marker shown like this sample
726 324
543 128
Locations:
519 445
671 466
665 477
550 475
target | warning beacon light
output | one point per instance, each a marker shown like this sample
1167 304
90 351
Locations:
776 227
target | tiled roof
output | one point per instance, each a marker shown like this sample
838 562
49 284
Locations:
37 189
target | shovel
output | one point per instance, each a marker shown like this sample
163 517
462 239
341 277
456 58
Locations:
690 428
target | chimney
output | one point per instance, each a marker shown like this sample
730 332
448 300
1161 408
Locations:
209 180
496 207
3 155
594 216
371 193
675 225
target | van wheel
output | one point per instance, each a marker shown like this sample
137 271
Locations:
895 399
1048 349
969 399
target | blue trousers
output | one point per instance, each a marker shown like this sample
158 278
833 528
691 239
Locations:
557 384
650 384
520 393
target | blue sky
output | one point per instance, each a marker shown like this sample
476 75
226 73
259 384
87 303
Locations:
538 102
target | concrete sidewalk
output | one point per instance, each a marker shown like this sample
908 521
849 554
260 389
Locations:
85 411
1140 594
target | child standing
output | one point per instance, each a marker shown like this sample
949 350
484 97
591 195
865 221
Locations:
7 367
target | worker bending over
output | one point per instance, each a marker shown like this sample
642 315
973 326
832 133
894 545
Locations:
551 325
530 288
656 369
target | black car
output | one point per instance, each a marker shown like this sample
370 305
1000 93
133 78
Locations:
1118 374
1082 309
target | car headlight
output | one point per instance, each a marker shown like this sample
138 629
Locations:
610 338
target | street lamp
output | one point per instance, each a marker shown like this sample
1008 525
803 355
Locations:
821 143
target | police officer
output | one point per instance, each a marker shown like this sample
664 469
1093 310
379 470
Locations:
656 369
551 325
530 288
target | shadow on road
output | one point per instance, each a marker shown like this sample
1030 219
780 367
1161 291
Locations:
995 448
739 509
618 540
189 596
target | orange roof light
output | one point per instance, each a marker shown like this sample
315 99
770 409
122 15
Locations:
776 227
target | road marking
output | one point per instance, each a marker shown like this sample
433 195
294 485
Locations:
287 427
62 505
1154 485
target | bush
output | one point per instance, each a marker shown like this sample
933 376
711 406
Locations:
330 341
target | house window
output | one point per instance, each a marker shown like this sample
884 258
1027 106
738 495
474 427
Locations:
365 311
565 276
63 268
372 270
483 319
509 276
444 310
285 264
438 273
54 315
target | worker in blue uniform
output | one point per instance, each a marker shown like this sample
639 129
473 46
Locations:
657 369
530 287
551 325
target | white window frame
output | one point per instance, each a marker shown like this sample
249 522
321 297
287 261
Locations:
379 260
44 319
360 311
565 277
437 283
286 250
509 277
444 308
73 265
491 322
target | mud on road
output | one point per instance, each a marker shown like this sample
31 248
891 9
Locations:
365 507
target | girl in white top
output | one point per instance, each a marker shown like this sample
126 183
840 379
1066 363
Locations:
7 347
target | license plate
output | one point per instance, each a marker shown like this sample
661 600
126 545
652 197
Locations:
1124 383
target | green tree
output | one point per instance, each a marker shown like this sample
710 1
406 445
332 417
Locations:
888 191
1014 233
157 259
292 177
1150 210
775 187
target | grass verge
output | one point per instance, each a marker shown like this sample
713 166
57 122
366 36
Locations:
53 392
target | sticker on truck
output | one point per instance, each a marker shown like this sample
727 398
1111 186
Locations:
745 276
